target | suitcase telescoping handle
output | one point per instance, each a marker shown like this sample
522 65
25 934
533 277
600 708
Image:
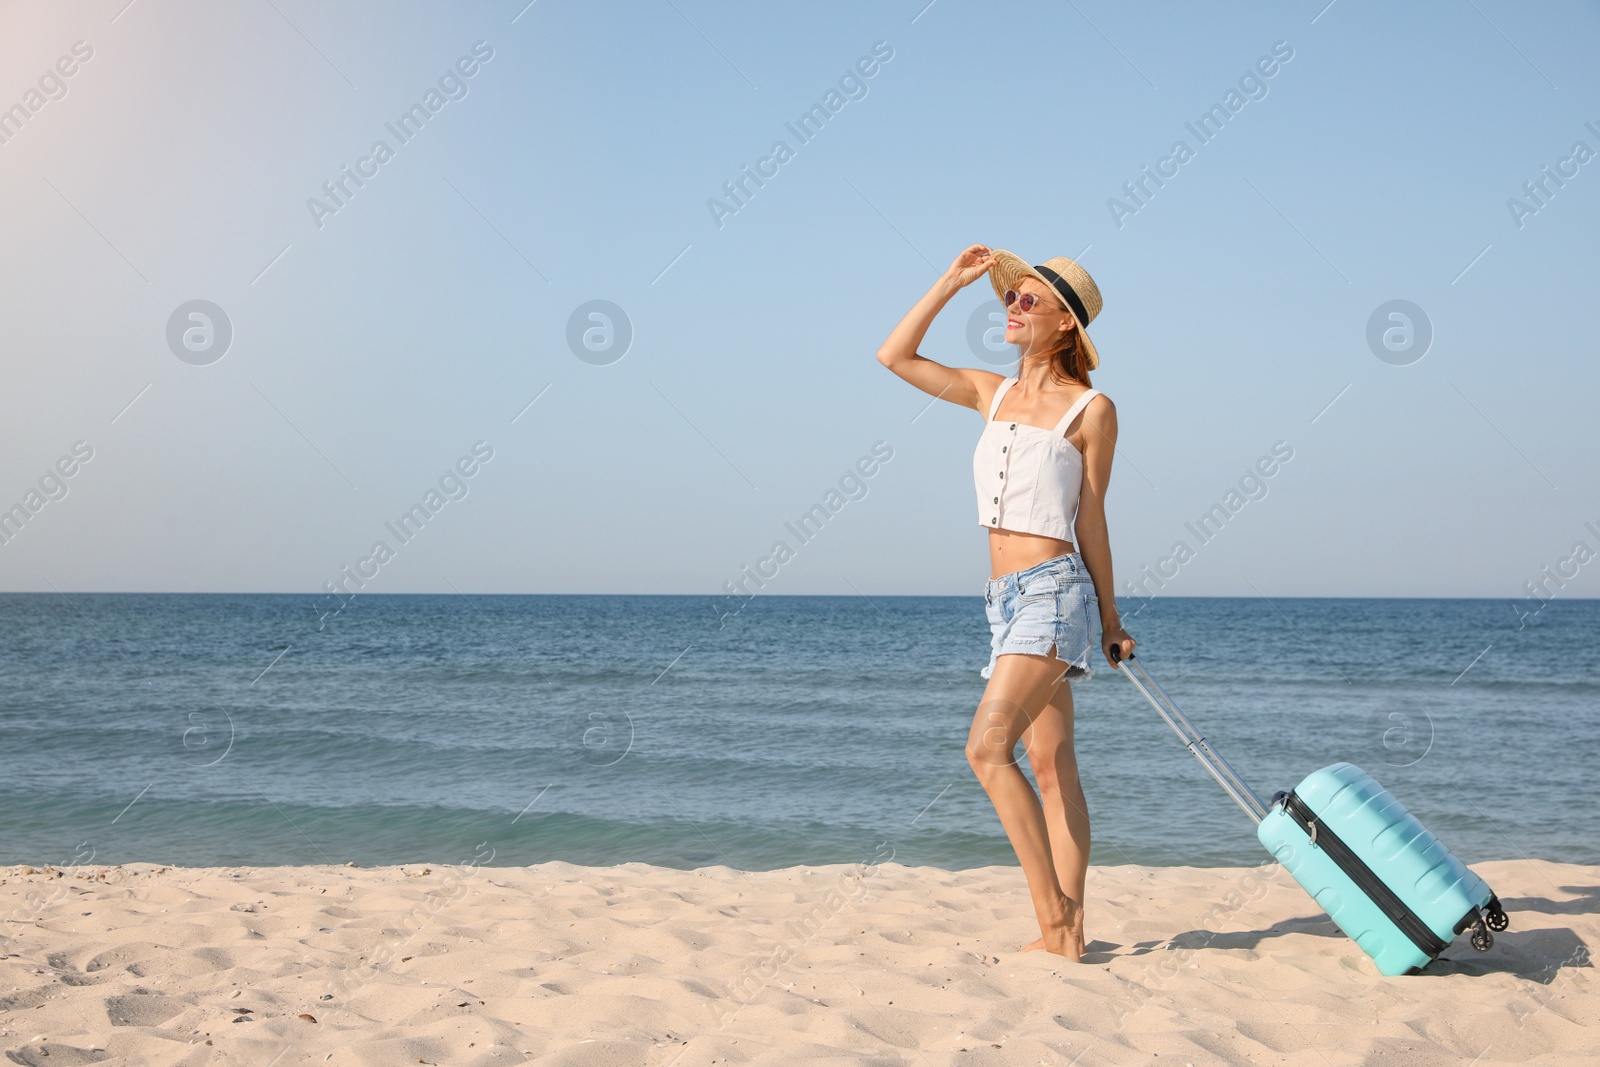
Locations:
1225 775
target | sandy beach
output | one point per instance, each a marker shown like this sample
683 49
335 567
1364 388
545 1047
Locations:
861 963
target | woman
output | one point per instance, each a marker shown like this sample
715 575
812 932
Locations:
1044 460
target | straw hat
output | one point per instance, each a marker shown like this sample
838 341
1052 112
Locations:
1062 276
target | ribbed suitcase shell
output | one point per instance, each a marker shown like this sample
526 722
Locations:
1404 854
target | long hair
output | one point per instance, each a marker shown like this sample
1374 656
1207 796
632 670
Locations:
1069 363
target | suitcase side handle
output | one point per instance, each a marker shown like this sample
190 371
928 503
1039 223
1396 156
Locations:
1192 739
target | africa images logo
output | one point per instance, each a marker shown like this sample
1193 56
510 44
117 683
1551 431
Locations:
452 85
852 85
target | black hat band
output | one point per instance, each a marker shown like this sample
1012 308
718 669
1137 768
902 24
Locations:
1068 294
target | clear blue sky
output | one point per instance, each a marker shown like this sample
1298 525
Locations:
372 346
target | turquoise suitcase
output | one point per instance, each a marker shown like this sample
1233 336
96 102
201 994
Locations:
1383 877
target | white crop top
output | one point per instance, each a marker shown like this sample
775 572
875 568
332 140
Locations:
1028 478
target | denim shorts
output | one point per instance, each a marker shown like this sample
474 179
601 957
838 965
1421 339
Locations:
1050 603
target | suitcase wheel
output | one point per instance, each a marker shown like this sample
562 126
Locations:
1482 939
1497 919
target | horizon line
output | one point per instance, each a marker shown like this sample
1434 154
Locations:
975 596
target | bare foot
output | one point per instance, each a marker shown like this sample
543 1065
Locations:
1064 940
1062 944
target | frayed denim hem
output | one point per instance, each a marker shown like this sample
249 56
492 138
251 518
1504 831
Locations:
1073 670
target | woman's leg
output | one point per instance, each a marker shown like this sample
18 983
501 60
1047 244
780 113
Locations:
1053 757
1018 690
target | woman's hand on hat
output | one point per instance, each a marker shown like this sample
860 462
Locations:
972 264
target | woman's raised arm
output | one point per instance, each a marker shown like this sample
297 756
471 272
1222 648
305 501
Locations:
959 385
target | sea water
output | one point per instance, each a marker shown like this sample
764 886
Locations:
256 729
